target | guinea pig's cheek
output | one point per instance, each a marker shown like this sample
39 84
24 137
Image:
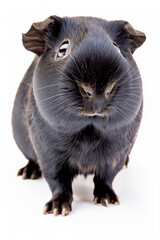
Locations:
87 105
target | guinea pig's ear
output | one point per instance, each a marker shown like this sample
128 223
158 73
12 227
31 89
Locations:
34 39
127 36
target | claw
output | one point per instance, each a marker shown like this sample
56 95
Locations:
33 176
45 210
95 200
24 176
55 211
65 212
105 202
118 201
19 173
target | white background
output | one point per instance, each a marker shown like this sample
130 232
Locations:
138 187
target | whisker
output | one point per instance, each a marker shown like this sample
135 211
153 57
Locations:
40 113
73 75
65 75
65 105
26 84
121 76
116 71
128 71
122 113
128 101
129 94
74 61
79 108
57 95
131 83
69 78
129 91
134 73
129 109
48 86
81 114
128 82
129 77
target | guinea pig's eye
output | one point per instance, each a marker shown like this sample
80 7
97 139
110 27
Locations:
86 90
109 90
115 44
63 49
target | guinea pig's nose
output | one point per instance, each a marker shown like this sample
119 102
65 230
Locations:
97 108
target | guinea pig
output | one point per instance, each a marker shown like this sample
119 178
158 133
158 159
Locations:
79 106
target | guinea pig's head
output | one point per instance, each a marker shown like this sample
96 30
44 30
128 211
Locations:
85 69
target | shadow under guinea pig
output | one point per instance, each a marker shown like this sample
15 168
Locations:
83 189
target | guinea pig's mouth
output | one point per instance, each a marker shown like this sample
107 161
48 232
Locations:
90 114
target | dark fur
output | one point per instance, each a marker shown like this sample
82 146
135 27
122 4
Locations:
47 122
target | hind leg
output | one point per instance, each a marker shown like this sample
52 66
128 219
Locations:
20 126
21 136
30 171
22 139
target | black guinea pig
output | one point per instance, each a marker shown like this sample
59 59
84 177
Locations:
79 105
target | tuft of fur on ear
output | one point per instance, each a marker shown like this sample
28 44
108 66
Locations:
127 37
34 39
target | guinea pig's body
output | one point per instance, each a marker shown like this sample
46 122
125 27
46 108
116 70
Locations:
79 106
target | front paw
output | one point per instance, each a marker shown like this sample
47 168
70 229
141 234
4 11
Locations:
105 195
61 204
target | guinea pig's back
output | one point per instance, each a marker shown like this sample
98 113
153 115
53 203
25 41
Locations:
19 114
